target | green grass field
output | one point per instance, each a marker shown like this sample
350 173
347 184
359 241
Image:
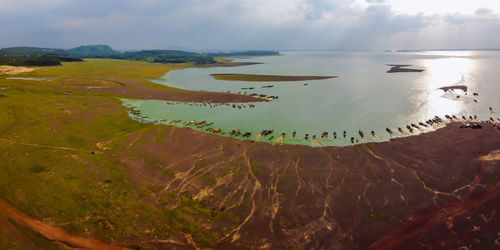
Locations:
48 171
108 68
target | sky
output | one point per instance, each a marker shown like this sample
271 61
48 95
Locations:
252 24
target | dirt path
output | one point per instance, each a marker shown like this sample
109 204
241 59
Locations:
432 218
46 146
52 232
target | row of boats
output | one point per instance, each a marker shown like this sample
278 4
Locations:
234 106
263 96
436 120
269 133
265 86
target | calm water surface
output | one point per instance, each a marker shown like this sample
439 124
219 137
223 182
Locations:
364 97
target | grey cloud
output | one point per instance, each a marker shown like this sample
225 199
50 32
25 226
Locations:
483 11
225 24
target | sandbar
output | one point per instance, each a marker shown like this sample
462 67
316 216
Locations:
267 78
461 87
401 68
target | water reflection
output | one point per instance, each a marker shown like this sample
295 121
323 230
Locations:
363 98
446 72
448 53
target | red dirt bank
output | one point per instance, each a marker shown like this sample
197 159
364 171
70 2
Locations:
332 197
431 190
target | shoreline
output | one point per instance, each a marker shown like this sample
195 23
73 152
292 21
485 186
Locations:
276 140
289 138
137 89
283 141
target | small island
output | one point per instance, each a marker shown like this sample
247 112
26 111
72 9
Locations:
267 78
461 87
401 68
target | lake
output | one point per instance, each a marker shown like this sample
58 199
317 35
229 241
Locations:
364 97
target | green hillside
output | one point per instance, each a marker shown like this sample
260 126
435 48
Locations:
93 51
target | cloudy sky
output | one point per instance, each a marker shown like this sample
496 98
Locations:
252 24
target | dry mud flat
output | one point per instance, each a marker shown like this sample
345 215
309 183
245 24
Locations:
434 190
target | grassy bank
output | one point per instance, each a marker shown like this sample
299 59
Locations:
54 167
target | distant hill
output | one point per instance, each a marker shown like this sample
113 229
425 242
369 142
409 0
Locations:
245 53
93 51
32 51
31 56
167 56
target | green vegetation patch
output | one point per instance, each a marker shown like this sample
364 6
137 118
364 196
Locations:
48 170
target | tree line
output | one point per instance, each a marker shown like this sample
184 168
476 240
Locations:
31 56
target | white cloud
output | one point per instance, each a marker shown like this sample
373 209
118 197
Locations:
430 7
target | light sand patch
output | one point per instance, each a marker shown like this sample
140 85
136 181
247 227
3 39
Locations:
203 193
492 156
279 139
27 79
11 70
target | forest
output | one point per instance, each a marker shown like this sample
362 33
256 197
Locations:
32 56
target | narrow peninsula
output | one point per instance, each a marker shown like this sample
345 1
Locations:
267 78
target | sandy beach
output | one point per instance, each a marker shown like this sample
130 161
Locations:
11 70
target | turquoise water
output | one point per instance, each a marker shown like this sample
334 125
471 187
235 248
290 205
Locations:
364 97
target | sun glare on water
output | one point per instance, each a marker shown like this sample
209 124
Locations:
447 72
